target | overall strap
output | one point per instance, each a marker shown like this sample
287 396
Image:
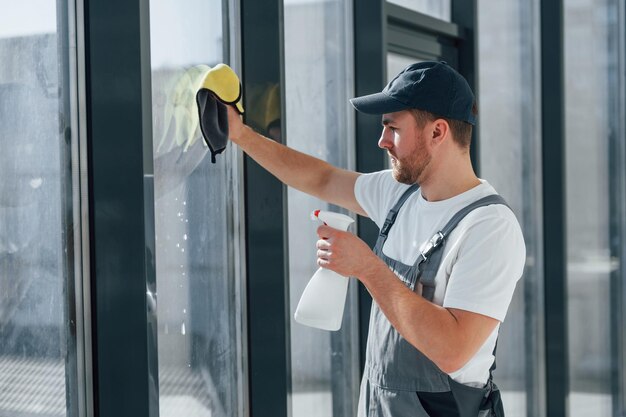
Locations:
430 257
485 201
391 216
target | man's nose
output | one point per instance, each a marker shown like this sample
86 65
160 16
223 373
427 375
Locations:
385 141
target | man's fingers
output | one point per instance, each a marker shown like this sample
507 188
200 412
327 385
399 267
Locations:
326 232
323 244
324 254
322 262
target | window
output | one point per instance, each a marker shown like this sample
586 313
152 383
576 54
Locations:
38 345
510 159
200 348
318 80
594 172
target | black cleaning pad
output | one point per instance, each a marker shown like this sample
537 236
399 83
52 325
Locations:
213 121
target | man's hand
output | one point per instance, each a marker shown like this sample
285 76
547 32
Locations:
344 253
235 124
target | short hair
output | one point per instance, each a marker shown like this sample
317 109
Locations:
461 131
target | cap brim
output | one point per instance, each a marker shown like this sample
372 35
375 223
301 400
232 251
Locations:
377 103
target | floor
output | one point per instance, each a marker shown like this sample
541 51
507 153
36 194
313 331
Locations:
33 387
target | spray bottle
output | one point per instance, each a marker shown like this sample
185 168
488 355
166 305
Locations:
322 302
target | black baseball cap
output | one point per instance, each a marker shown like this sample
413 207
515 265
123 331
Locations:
431 86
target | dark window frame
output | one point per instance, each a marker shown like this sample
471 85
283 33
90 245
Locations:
121 209
266 226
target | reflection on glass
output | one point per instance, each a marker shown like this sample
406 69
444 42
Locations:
591 123
509 160
36 228
435 8
199 347
324 365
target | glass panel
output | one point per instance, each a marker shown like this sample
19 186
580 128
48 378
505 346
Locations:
398 62
37 341
510 160
435 8
199 315
318 59
591 74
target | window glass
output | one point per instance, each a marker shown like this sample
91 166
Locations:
592 126
510 159
199 315
398 62
318 79
37 340
435 8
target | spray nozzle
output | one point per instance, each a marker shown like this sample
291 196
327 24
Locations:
334 220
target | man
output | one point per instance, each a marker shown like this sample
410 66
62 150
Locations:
441 283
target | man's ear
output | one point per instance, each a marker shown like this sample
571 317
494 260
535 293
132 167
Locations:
440 131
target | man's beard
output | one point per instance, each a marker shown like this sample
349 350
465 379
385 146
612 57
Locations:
409 171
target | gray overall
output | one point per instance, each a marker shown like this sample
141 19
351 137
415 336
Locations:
398 379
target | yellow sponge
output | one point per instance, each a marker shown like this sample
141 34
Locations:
222 81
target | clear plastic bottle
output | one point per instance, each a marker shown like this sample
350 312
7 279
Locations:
322 302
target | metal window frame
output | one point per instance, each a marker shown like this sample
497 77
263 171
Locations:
617 162
233 51
534 341
622 208
79 289
266 226
121 211
353 289
369 77
554 207
465 14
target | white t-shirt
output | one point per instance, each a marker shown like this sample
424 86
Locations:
482 261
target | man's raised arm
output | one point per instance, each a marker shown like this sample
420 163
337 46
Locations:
296 169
